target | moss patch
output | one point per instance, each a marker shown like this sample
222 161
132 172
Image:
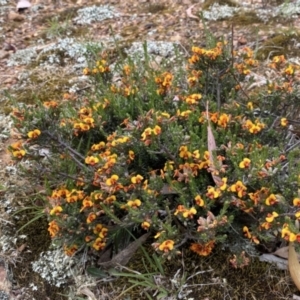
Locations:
245 18
208 3
282 43
154 8
37 241
48 86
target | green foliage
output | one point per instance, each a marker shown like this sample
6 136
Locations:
185 153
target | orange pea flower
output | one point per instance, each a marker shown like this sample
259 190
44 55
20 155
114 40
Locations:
166 246
34 133
245 163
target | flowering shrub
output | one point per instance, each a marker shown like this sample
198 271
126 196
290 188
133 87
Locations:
190 155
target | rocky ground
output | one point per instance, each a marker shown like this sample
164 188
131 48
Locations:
43 50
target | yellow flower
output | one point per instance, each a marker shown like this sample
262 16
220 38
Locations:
97 229
131 155
53 228
199 201
270 218
292 237
271 200
91 160
158 234
255 129
91 217
245 163
88 120
19 153
169 165
34 134
180 209
279 59
126 70
85 112
165 115
146 134
134 203
50 104
109 200
192 80
203 250
250 105
183 114
284 122
206 155
249 235
184 153
193 99
287 234
296 202
189 213
70 250
87 203
289 70
266 225
239 188
223 120
196 154
145 225
81 126
166 246
86 71
297 214
16 145
246 232
137 179
103 233
223 185
212 193
198 50
112 180
156 130
56 210
99 244
71 197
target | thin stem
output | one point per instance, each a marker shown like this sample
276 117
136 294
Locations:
65 145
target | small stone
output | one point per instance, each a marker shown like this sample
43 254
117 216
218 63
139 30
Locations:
3 54
242 41
8 80
176 38
15 17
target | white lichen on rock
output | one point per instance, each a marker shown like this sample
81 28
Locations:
6 124
286 10
153 48
91 14
55 267
218 12
64 51
22 57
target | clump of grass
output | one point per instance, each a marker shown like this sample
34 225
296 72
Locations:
57 29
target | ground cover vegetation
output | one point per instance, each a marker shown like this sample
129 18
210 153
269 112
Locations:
190 158
183 154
